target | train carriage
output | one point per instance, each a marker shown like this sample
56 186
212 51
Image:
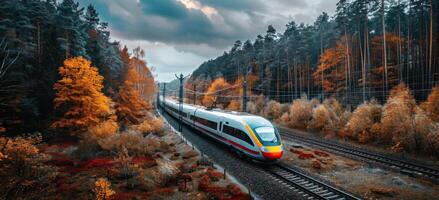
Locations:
250 135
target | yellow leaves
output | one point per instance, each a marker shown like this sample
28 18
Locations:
104 129
154 125
219 84
131 106
79 96
102 189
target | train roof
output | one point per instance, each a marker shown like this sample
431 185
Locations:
218 112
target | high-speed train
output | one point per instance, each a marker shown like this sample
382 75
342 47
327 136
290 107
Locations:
248 135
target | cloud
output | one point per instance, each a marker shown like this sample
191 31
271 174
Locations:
178 35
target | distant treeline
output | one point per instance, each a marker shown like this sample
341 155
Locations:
341 56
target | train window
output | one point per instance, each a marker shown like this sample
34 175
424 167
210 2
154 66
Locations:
237 134
205 122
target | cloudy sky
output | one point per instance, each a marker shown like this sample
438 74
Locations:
178 35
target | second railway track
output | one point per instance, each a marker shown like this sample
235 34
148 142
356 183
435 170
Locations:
309 187
393 163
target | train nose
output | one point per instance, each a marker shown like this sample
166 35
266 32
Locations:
272 153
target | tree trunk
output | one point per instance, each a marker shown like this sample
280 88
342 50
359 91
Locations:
430 80
386 83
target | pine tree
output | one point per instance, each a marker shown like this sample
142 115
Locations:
72 30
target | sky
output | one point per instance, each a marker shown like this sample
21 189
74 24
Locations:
179 35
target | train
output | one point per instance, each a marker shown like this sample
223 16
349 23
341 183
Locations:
248 135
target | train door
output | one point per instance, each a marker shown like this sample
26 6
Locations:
220 127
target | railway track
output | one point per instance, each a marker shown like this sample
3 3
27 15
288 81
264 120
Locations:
402 166
307 186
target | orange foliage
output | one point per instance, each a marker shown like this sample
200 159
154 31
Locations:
102 189
234 105
211 99
133 141
392 41
397 120
332 68
301 112
79 96
154 125
144 81
432 104
272 110
131 107
366 115
322 119
104 129
23 172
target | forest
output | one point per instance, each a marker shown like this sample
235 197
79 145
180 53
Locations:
340 77
36 37
346 55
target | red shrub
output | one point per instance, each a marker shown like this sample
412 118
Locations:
316 164
321 153
296 151
234 189
217 192
144 161
214 175
164 191
306 155
204 183
98 162
61 161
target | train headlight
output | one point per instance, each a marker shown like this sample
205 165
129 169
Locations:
264 149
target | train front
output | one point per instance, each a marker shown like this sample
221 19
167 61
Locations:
268 138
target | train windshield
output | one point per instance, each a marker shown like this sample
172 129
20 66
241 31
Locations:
264 131
267 134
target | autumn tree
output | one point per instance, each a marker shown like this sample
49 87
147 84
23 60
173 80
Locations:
79 98
214 93
331 70
131 107
378 74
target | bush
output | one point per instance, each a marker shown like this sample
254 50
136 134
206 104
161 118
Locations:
104 129
322 119
362 119
301 112
272 110
396 122
433 142
432 104
154 125
23 172
133 141
102 189
423 127
234 105
257 105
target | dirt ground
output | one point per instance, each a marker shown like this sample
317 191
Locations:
365 181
